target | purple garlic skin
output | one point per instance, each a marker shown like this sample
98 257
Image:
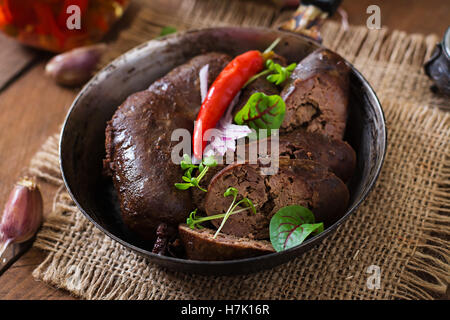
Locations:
73 68
23 214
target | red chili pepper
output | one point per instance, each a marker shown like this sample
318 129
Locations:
222 91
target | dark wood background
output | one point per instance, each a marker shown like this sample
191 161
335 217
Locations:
32 107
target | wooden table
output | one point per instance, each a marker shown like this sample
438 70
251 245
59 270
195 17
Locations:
32 107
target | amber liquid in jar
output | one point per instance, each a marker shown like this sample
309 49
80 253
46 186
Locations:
44 23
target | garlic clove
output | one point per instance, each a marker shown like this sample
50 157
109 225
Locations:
23 214
75 67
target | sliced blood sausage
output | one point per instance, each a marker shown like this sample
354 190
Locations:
302 182
316 95
337 155
198 196
199 244
138 147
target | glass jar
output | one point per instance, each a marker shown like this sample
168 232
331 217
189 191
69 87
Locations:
49 24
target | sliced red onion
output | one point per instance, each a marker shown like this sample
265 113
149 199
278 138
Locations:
227 133
203 76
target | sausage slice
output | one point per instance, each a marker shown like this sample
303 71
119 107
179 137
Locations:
337 155
316 95
302 182
199 244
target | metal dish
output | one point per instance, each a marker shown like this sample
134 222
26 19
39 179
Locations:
83 134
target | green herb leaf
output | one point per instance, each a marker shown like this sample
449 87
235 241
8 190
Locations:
232 209
231 192
186 159
167 30
248 203
291 225
210 161
262 112
188 173
277 74
193 221
256 76
280 73
183 186
194 181
186 164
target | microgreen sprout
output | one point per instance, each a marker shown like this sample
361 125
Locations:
188 167
245 202
195 222
277 74
280 73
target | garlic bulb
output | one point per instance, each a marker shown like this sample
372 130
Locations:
75 67
23 214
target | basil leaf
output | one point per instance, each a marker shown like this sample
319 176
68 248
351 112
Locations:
291 225
262 112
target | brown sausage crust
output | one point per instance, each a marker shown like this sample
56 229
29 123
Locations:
301 182
337 155
199 244
138 146
316 95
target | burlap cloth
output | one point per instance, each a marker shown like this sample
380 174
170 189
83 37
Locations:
403 226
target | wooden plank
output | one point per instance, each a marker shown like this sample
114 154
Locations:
426 16
14 58
17 283
31 109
